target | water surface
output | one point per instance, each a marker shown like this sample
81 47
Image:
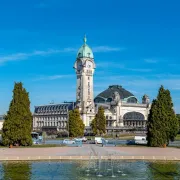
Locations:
89 170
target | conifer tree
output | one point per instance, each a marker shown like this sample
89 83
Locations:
162 122
171 119
178 117
101 121
156 133
94 126
18 121
98 125
76 126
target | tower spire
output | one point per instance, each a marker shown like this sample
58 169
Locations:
85 39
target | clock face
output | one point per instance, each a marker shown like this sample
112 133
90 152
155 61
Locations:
79 65
89 64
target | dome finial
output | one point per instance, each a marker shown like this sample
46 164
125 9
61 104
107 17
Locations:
85 39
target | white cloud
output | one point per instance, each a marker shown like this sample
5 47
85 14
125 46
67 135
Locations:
138 70
109 64
151 61
121 66
106 49
53 77
23 56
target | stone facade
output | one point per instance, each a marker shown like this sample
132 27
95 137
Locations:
122 109
1 121
52 115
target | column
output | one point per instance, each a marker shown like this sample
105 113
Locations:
60 124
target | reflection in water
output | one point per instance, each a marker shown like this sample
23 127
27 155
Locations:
78 170
16 170
165 170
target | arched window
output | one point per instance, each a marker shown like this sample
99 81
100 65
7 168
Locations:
109 100
99 100
133 116
132 100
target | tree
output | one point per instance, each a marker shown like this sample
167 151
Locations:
156 134
162 123
178 117
18 121
76 126
98 124
172 123
94 126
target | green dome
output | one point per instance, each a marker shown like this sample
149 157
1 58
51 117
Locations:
85 51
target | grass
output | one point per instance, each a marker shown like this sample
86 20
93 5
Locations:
134 145
126 137
177 137
121 137
37 146
43 146
59 138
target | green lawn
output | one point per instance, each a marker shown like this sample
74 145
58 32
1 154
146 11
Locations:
126 137
122 136
177 137
60 138
37 146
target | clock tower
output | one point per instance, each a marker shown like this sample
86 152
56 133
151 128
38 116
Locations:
84 68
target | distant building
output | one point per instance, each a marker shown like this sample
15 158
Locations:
52 116
123 111
1 121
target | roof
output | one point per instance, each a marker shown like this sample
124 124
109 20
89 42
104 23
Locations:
108 93
64 107
85 51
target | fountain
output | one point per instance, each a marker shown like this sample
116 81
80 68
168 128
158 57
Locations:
109 163
95 164
89 164
78 169
119 169
99 171
112 168
123 167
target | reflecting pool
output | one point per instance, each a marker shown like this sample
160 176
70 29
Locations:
89 170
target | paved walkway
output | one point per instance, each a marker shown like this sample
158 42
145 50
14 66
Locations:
88 150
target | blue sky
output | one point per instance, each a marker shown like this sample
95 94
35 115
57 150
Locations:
135 44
